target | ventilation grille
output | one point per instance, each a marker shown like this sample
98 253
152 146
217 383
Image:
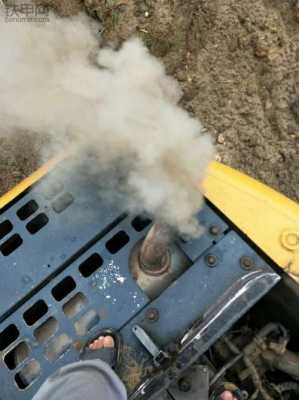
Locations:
91 292
10 241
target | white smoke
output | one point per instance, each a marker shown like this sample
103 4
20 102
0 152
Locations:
121 104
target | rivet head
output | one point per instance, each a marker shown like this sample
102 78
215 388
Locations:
246 263
290 239
214 230
211 260
152 314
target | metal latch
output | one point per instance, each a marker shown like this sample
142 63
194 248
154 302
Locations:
159 356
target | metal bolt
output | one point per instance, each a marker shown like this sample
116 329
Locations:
247 263
214 230
211 260
152 314
244 395
292 239
184 385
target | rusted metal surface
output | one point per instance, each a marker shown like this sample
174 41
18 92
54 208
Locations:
154 256
154 285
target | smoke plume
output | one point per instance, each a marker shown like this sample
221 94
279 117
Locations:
56 80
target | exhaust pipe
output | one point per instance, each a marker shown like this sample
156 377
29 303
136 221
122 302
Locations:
157 261
154 254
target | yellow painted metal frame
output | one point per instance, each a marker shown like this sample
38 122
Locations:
268 218
28 182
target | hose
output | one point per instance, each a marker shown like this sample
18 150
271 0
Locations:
256 379
287 387
251 367
287 362
225 368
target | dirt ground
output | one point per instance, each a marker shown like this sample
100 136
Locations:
238 63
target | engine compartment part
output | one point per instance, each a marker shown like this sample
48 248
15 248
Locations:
257 361
66 273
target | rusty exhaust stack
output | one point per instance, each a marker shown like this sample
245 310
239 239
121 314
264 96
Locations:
154 254
157 261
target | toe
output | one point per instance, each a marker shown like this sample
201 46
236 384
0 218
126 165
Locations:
97 344
108 341
227 395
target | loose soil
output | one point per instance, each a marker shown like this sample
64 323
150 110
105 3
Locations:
238 64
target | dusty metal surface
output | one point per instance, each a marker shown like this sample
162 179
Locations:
72 277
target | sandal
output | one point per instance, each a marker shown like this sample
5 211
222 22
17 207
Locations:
234 390
110 355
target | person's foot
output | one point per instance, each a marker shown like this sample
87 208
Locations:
103 342
227 395
107 347
108 342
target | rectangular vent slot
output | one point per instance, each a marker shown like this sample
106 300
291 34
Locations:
87 322
140 222
5 228
17 355
117 242
90 265
58 346
52 190
37 223
28 375
46 330
63 288
75 305
8 336
62 202
27 210
35 312
11 244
